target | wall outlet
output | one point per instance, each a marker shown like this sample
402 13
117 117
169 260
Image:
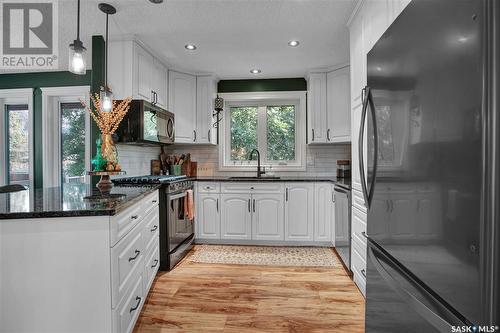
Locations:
204 170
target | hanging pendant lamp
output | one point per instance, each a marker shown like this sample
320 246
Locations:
106 95
77 63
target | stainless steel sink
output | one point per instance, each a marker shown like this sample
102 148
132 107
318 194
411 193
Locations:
255 178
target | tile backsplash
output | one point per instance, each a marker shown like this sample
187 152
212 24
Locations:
136 160
321 160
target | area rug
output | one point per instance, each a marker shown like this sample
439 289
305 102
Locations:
265 255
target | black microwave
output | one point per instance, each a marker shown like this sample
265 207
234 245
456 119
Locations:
146 123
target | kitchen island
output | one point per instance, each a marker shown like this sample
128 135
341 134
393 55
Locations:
73 260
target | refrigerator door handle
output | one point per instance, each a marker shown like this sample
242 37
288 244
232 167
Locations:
368 101
437 320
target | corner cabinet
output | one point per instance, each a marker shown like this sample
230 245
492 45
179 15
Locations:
191 99
136 73
328 108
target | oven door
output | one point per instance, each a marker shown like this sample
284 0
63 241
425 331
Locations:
179 226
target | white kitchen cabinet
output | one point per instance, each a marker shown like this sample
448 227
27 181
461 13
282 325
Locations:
299 211
338 106
206 91
357 61
316 108
329 119
267 219
324 214
136 73
208 221
182 102
236 217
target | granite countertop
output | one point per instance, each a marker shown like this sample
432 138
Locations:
69 201
346 183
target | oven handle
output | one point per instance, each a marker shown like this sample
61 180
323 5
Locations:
177 196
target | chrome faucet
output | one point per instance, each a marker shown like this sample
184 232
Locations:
259 171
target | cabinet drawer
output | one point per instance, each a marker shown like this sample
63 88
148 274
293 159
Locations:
126 259
151 228
208 187
150 202
358 267
125 315
151 266
359 224
122 223
247 188
358 200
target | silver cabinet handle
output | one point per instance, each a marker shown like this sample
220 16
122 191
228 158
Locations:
254 205
194 135
328 134
363 272
155 263
154 228
286 194
152 97
249 205
154 201
217 205
313 134
209 136
138 299
134 217
137 252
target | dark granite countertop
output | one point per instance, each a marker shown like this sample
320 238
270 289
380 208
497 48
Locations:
69 201
341 181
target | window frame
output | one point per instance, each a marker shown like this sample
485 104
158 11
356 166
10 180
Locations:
262 100
15 97
52 98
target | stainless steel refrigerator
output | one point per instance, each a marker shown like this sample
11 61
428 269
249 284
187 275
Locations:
432 118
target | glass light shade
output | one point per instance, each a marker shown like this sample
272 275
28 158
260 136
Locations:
77 63
106 97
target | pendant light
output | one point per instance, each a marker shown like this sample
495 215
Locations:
106 96
77 63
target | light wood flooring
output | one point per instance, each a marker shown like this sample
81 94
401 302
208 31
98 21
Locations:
197 297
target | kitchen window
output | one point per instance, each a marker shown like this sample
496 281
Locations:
73 142
273 123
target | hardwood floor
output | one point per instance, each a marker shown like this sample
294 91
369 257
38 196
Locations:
197 297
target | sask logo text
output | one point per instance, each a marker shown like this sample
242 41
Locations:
29 34
474 329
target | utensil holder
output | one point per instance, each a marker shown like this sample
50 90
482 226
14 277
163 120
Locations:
175 170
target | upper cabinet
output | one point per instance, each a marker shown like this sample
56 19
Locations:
134 72
191 99
328 108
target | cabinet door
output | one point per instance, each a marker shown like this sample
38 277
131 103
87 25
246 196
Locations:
299 214
144 62
267 221
205 96
182 102
236 216
316 108
323 212
159 83
338 105
208 216
357 60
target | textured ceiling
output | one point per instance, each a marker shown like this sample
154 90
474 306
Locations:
232 36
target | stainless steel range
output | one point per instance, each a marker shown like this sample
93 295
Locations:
176 230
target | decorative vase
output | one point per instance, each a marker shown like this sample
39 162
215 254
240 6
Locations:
109 152
98 162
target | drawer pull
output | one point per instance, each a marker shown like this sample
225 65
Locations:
154 228
155 263
154 201
252 188
138 299
134 217
363 272
137 252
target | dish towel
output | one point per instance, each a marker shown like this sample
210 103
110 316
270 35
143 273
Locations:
189 205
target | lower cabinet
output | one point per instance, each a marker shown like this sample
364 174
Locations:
299 211
209 213
236 218
324 210
267 213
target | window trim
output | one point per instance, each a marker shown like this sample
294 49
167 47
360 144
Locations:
297 98
16 96
51 130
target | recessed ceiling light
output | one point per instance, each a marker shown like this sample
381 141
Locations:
255 71
190 47
293 43
156 1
